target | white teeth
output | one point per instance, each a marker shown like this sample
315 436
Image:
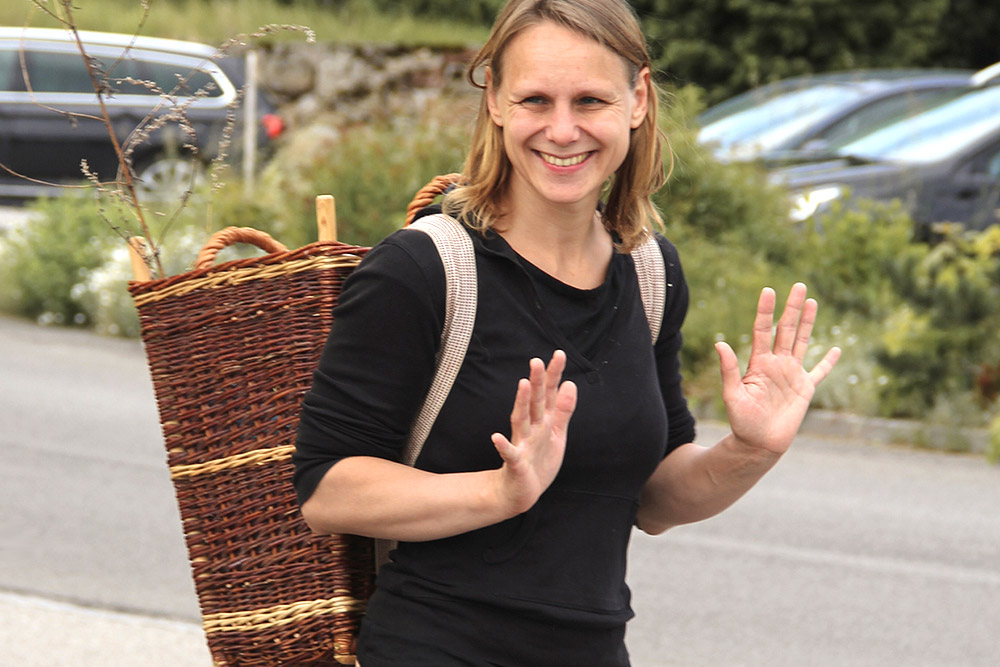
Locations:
564 162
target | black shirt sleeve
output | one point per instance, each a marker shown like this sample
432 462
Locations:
668 347
378 362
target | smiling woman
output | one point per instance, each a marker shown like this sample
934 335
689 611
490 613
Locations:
566 107
513 523
622 76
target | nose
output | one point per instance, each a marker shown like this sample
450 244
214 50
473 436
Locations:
563 128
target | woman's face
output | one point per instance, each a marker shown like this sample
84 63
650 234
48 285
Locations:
566 107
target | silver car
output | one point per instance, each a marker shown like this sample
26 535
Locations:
168 102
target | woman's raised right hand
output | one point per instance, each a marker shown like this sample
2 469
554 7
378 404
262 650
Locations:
539 421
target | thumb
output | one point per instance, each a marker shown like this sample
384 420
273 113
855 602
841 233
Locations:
729 367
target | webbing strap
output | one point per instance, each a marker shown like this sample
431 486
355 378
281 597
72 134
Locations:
461 293
652 277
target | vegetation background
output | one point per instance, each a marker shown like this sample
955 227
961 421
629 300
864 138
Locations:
917 322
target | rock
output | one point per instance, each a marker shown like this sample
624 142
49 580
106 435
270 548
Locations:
342 73
289 72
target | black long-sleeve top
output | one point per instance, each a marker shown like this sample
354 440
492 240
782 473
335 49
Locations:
562 563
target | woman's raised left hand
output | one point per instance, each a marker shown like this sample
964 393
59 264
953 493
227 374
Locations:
767 404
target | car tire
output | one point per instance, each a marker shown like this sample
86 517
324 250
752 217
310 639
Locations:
168 178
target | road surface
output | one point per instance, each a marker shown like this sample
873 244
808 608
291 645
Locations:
847 554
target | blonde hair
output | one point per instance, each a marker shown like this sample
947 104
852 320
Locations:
629 211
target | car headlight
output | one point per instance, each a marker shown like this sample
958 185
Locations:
805 204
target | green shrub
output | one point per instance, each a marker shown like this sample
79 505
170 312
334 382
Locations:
852 255
44 259
372 171
941 340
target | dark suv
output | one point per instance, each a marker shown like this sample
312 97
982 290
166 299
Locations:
49 113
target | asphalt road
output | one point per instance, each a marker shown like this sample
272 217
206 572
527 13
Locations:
848 553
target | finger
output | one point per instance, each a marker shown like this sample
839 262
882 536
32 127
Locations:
762 324
804 332
553 376
537 381
507 451
788 325
565 404
826 364
729 367
520 414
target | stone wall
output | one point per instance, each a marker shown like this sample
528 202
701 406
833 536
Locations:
338 85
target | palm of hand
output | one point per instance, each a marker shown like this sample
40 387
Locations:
539 420
766 406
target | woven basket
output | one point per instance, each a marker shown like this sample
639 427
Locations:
232 349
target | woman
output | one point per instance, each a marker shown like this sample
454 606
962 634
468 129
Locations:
513 525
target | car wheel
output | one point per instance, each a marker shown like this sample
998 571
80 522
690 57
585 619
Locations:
168 178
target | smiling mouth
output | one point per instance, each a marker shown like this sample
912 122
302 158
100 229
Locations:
564 161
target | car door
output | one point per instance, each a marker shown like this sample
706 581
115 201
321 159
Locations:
972 194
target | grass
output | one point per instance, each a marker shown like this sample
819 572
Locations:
216 21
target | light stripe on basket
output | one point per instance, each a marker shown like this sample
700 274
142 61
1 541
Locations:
237 276
256 457
237 621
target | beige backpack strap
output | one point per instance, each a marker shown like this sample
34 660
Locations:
652 277
461 291
461 300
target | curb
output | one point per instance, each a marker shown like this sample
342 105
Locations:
945 438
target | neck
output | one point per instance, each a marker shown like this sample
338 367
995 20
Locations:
567 242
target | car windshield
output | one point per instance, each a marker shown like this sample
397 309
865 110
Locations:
933 135
767 124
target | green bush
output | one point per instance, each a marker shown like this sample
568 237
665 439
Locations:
372 171
43 261
941 339
852 255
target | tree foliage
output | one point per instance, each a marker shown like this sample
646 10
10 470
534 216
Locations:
727 46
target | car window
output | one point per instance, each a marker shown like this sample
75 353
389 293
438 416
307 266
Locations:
989 165
66 72
780 117
55 73
8 65
935 134
885 111
181 80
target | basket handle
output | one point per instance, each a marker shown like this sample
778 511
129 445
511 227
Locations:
425 196
231 235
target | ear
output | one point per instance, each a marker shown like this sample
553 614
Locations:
640 98
491 98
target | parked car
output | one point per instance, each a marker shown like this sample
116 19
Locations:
50 114
943 165
798 118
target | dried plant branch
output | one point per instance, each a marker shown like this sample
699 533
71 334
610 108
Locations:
40 182
92 71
